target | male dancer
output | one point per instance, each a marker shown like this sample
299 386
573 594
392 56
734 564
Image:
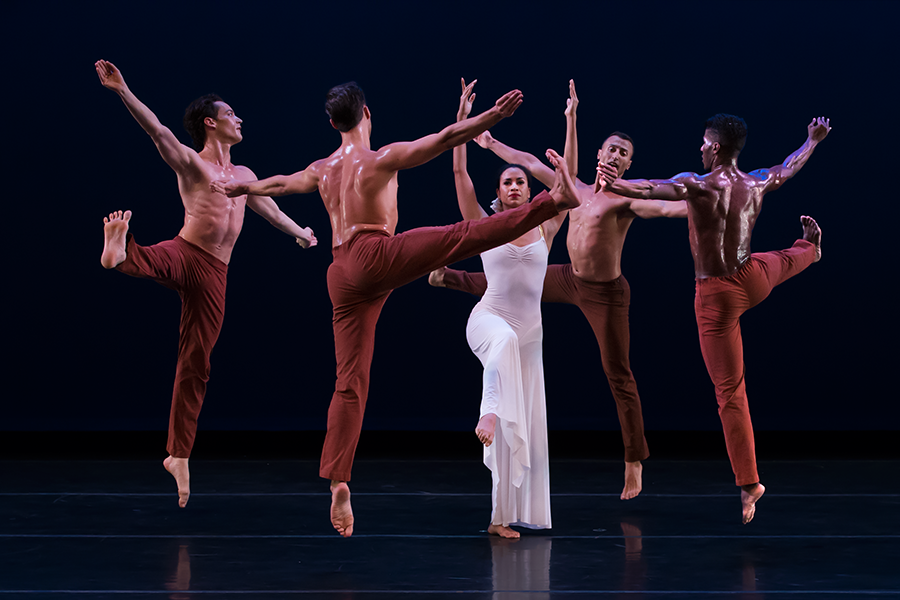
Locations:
593 281
195 263
359 188
723 206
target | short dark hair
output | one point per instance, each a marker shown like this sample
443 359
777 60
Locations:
344 105
198 110
509 166
624 136
731 131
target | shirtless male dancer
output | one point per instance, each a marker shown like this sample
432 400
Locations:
593 281
195 263
723 206
359 188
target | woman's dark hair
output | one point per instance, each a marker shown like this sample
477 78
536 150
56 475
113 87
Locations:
506 168
344 104
199 109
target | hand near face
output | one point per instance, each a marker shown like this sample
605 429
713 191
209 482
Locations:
606 174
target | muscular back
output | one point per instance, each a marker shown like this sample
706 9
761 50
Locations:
722 209
357 194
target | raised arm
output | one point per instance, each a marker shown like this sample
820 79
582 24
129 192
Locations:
570 152
777 175
539 170
301 182
176 155
405 155
651 209
465 191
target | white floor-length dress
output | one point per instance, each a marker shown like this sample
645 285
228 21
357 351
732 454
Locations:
505 333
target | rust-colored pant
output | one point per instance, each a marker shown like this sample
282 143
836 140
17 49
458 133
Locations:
199 278
719 304
365 270
605 305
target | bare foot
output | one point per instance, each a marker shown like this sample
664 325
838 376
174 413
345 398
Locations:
633 483
485 429
114 229
178 467
749 495
503 531
812 234
341 512
436 277
563 191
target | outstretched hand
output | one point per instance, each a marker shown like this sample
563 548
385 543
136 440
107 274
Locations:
466 99
572 100
818 129
226 187
509 102
110 76
307 239
484 139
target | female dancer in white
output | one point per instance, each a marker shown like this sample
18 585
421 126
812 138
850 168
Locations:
505 333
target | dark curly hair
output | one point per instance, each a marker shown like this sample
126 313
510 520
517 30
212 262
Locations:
731 131
344 104
198 110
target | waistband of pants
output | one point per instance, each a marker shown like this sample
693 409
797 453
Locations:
359 234
618 281
215 261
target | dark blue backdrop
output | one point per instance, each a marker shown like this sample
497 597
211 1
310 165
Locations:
90 349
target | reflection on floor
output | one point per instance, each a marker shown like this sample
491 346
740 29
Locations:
260 529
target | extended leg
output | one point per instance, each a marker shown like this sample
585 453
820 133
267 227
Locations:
463 281
778 266
555 289
417 252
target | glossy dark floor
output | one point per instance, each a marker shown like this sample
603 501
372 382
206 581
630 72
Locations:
112 529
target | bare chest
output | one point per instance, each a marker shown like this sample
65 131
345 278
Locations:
597 217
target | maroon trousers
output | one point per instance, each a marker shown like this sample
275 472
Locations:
365 270
199 278
719 304
605 305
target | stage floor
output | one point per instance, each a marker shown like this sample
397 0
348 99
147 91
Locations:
260 529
